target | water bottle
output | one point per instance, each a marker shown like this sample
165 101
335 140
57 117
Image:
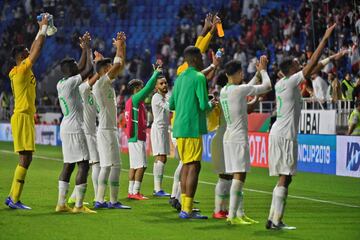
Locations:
51 30
219 53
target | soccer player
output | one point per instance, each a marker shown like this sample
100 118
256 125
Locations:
222 188
236 144
190 101
202 42
74 147
159 134
283 134
107 134
135 116
23 84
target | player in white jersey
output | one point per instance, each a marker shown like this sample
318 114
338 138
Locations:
74 147
89 115
283 135
160 141
236 145
107 134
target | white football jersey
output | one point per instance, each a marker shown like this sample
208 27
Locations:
161 111
288 107
90 108
71 104
105 97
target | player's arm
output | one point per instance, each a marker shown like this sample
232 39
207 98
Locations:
202 94
210 70
203 44
86 72
38 43
326 61
308 69
84 43
119 60
148 88
265 86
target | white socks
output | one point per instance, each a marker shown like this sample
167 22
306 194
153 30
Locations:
63 190
272 208
94 176
102 183
114 183
136 188
131 187
220 190
235 197
241 212
175 187
80 194
158 172
280 194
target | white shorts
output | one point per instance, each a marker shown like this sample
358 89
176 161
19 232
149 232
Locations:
137 154
237 157
92 146
108 147
74 147
282 156
160 141
217 153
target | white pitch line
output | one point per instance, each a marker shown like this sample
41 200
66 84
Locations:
213 184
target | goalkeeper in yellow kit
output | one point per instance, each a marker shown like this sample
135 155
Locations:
23 84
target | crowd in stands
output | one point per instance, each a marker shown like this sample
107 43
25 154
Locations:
285 30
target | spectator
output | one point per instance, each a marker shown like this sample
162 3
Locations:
334 89
354 120
320 87
347 87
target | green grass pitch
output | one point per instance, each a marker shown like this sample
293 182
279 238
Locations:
336 217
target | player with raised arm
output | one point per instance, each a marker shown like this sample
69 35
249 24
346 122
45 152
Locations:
107 134
236 145
135 117
160 141
283 145
23 85
202 42
190 101
74 146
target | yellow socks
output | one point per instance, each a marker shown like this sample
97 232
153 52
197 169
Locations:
188 204
182 199
18 183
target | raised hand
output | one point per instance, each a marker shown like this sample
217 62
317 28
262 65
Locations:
340 54
208 21
329 30
98 56
44 20
158 66
215 60
215 21
85 40
262 63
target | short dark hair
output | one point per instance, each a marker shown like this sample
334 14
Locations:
17 49
285 65
232 67
191 51
102 63
65 63
134 83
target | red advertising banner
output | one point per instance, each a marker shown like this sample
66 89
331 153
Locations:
259 143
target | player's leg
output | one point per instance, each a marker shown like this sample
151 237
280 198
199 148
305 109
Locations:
183 178
102 185
64 180
235 206
131 182
80 187
25 159
280 195
139 175
158 171
175 198
222 193
95 172
23 131
191 185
